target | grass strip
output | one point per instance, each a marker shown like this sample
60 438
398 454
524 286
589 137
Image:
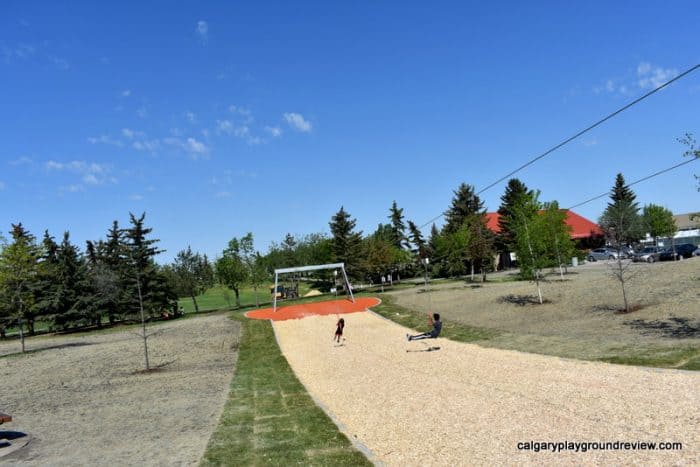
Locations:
269 418
412 319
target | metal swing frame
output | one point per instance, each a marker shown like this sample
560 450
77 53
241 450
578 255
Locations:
316 267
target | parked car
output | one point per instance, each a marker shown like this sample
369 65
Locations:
684 250
604 253
648 254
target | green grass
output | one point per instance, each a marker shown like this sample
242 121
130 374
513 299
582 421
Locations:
418 321
685 358
269 419
220 298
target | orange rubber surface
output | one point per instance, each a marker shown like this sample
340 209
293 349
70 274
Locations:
331 307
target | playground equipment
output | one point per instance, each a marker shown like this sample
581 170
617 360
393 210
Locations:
282 271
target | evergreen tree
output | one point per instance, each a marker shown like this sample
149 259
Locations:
113 255
142 273
398 228
621 192
515 189
433 241
419 243
464 204
70 277
480 245
621 225
289 246
45 288
346 242
101 288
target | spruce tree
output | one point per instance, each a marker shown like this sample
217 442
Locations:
70 277
621 192
398 228
46 284
346 242
419 243
464 204
515 189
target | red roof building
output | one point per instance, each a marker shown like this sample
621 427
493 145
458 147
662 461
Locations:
580 226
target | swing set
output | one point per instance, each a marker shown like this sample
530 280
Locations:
293 292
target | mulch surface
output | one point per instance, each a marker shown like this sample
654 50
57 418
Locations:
331 307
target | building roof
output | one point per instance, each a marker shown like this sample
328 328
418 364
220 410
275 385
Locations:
580 226
683 221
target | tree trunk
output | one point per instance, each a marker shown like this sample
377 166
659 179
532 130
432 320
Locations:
257 302
238 297
537 281
30 326
472 270
196 307
21 333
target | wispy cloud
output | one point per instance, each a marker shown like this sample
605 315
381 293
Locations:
646 77
126 92
274 131
146 145
18 51
224 194
24 160
2 185
128 133
75 188
651 77
104 139
239 131
191 117
136 197
142 112
91 173
61 63
192 146
298 122
202 30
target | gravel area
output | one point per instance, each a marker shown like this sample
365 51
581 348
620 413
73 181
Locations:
85 401
468 405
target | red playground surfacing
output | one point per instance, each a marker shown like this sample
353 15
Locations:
331 307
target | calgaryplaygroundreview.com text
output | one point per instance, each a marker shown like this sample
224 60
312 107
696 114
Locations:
546 446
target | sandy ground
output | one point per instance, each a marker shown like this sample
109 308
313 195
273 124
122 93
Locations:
579 320
84 400
468 405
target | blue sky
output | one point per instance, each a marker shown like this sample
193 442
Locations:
219 118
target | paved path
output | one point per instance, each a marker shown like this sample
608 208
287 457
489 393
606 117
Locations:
467 405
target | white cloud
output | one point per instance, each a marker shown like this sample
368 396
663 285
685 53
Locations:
297 122
126 92
191 145
651 77
91 173
146 145
24 160
90 179
104 139
142 112
191 117
2 185
60 63
136 197
20 51
202 30
72 188
128 133
224 194
274 131
225 126
53 165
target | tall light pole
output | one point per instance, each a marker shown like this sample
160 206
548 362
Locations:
430 302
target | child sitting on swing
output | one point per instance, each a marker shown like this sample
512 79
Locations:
339 329
437 327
